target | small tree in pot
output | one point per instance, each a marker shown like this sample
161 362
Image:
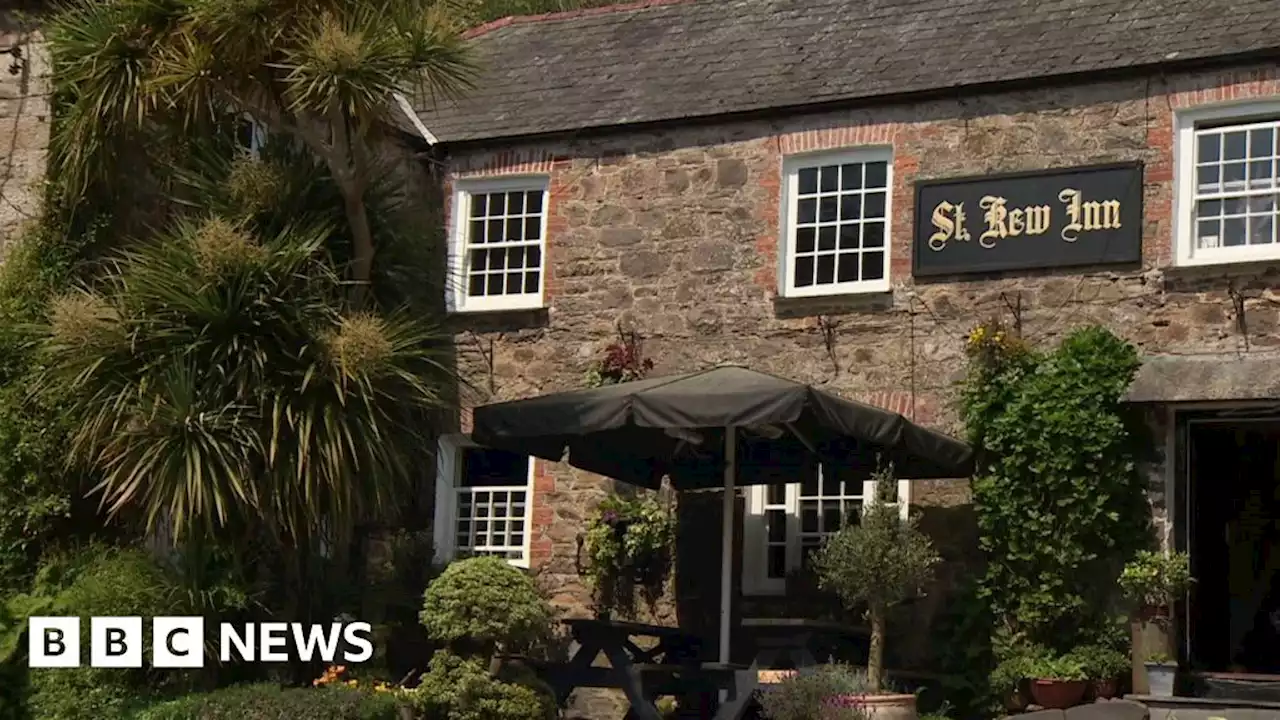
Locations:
877 563
1153 582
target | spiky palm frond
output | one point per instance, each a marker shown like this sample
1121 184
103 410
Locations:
221 385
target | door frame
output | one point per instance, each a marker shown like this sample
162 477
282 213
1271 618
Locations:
1180 513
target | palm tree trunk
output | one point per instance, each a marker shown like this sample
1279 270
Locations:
875 655
362 245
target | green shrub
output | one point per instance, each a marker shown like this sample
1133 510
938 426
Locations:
270 702
457 688
485 603
101 581
806 694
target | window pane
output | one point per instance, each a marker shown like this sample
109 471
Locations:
1261 228
831 517
851 206
494 233
807 211
1208 233
533 257
497 259
849 235
494 285
1208 148
873 265
514 230
873 235
828 209
877 174
776 524
1233 175
515 258
533 228
826 269
531 281
851 176
847 267
533 201
1234 145
1261 142
477 232
804 239
827 237
1209 208
809 516
1233 232
515 203
478 259
1208 178
477 205
804 271
809 485
830 178
873 205
808 181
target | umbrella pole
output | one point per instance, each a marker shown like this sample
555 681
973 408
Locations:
726 552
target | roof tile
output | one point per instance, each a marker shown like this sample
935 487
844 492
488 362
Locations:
673 60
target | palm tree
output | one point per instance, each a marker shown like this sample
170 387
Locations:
323 72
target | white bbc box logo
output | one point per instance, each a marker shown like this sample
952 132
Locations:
116 642
53 642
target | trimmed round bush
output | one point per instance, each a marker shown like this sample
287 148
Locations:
485 603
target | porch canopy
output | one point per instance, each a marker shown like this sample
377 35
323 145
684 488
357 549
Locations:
716 429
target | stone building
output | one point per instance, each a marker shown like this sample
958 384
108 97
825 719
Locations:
24 119
779 183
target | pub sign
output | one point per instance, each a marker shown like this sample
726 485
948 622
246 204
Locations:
1052 218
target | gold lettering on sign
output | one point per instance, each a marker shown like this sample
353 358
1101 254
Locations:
995 218
1086 216
949 220
1004 223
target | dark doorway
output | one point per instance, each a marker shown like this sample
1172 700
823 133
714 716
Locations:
1234 518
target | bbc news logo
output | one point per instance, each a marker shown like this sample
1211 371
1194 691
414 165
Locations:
178 642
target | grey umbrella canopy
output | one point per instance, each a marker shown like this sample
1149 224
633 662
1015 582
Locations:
717 429
675 426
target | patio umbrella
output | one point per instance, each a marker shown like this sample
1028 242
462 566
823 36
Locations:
723 427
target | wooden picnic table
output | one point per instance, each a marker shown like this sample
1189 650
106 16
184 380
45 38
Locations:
646 662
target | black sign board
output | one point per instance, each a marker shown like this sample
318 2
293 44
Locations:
1052 218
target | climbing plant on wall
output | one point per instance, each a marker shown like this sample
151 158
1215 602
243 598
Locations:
1058 492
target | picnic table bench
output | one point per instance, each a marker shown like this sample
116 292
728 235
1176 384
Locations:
669 665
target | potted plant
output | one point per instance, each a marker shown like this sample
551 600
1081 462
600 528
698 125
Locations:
823 692
1102 666
878 563
1057 683
1008 680
1161 673
628 541
1154 581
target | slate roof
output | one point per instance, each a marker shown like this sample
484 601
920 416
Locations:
697 58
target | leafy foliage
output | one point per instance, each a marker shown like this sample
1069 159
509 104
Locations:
271 702
629 540
92 581
623 361
485 604
458 688
880 562
807 694
1156 579
1060 503
1060 500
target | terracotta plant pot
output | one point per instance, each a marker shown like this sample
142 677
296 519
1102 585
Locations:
1058 694
1104 689
878 707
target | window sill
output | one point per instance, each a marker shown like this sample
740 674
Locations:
834 304
499 320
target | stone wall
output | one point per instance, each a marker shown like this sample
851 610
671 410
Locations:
674 233
24 123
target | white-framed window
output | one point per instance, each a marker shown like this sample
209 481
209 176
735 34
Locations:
835 221
784 524
484 502
498 251
1227 165
251 135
